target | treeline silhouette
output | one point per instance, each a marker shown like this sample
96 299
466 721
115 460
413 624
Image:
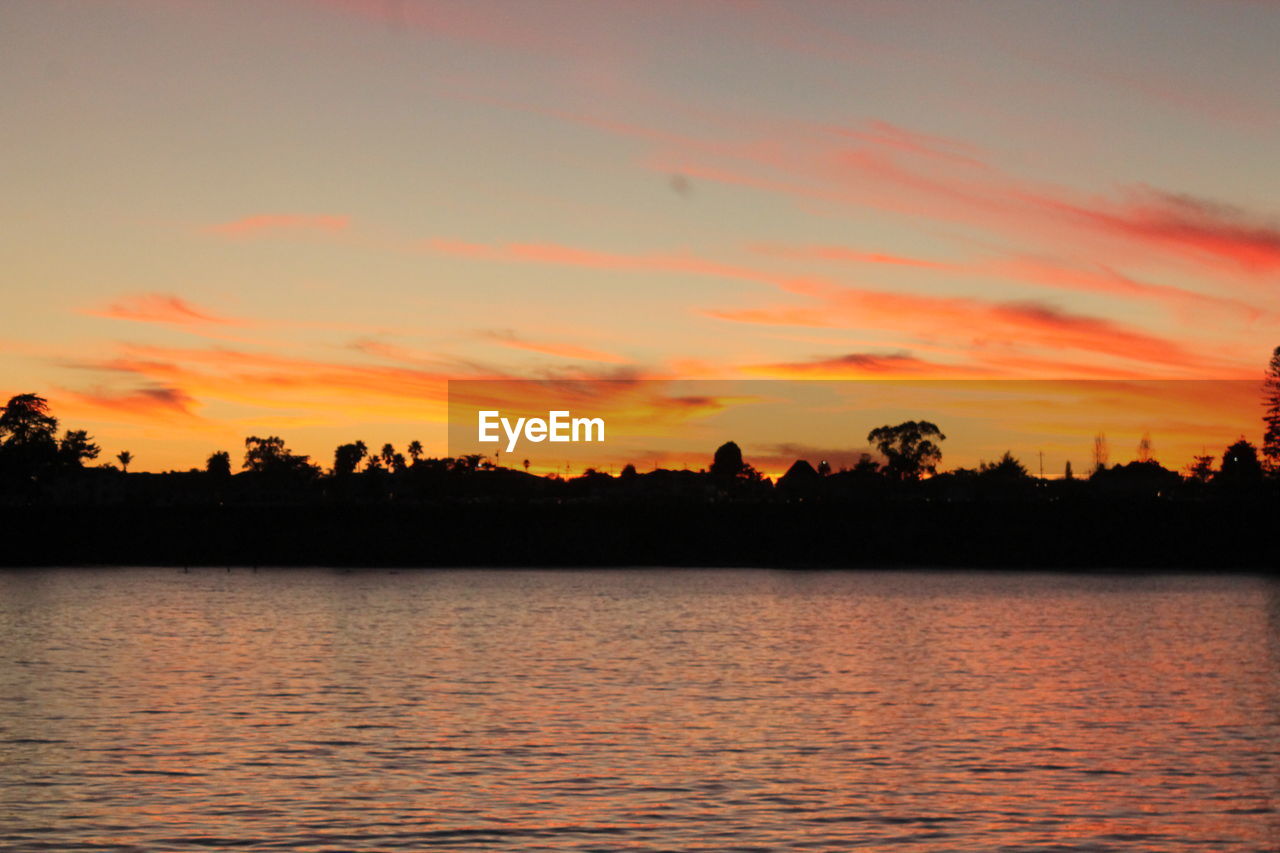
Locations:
893 507
38 467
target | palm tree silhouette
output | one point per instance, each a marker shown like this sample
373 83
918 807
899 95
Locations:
125 458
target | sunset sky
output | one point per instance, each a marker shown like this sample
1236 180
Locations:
303 217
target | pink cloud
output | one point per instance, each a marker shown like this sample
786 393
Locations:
1184 223
893 169
965 324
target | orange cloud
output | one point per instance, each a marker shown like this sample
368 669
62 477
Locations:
1098 279
279 223
147 404
161 308
1185 223
973 325
841 253
277 382
862 365
1103 279
966 323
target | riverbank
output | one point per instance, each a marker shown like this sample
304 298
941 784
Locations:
1146 535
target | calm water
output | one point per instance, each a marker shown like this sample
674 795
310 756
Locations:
639 710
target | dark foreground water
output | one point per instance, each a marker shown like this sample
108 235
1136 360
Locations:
637 710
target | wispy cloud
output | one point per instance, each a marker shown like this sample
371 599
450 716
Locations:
893 169
966 324
1183 223
147 404
845 254
277 382
508 338
279 223
568 256
162 308
973 326
863 365
1094 278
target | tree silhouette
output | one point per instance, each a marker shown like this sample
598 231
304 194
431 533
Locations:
729 471
727 462
36 466
218 464
866 466
1201 470
1145 453
29 448
1271 390
263 453
26 421
392 460
468 463
1240 464
347 457
270 456
76 448
1006 469
1101 453
909 448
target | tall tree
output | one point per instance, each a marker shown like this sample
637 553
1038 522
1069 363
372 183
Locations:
1240 464
727 462
346 458
1201 470
269 455
910 448
26 421
1271 390
415 450
219 464
1145 453
1101 453
77 448
262 454
125 458
1007 468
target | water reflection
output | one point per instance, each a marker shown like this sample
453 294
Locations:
643 710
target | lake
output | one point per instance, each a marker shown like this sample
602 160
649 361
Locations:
317 710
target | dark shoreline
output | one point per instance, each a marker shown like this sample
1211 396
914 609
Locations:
1106 536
